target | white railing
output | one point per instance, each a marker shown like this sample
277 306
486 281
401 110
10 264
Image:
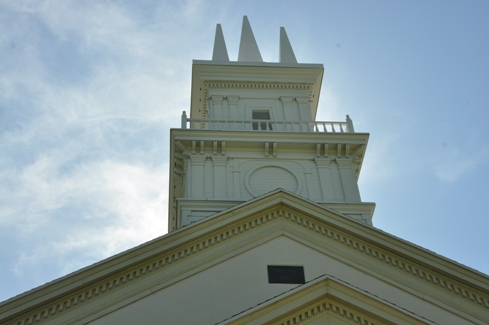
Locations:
267 125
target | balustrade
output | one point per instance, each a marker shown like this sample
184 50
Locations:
267 125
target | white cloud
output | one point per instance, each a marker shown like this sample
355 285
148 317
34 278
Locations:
117 60
83 173
95 211
92 22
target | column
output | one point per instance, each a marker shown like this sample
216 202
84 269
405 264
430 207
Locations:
219 176
236 184
325 179
304 108
216 110
348 180
197 162
310 188
233 107
288 116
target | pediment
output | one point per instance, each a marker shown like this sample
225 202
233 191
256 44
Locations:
121 280
326 300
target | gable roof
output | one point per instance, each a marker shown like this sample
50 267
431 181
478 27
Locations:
326 295
94 290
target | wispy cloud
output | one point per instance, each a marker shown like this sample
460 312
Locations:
455 164
91 90
96 209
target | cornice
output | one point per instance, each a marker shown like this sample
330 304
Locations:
326 295
109 284
253 73
390 258
329 307
143 261
259 85
341 311
309 87
259 64
271 136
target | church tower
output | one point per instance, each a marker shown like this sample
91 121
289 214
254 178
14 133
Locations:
252 129
266 223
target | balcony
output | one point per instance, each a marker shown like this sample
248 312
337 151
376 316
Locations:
267 125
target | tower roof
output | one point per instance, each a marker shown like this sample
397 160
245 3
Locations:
250 68
249 52
248 49
220 53
286 53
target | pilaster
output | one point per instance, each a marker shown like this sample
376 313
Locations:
287 105
325 179
233 107
310 187
217 106
197 168
304 108
236 184
348 180
219 176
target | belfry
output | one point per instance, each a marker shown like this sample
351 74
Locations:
252 130
266 223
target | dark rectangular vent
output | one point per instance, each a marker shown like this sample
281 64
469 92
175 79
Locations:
286 274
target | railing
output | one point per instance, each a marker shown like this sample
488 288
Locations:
267 125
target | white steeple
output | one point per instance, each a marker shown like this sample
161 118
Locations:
220 52
252 129
248 49
286 53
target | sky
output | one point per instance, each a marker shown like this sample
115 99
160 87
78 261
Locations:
90 89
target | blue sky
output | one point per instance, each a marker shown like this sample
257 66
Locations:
90 89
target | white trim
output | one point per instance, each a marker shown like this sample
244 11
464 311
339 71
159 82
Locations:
262 166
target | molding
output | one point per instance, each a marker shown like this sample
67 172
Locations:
133 273
233 100
330 308
326 295
303 100
258 64
216 98
239 136
140 262
258 74
347 313
259 85
249 186
285 100
309 87
393 261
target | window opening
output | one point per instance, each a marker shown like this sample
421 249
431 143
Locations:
261 115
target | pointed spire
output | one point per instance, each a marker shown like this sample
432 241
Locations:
248 49
286 53
220 51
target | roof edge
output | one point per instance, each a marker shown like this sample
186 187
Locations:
90 275
260 64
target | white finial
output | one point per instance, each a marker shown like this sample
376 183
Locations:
248 49
220 51
286 53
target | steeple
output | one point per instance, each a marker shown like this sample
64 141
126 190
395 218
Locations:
286 53
248 49
252 129
220 53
